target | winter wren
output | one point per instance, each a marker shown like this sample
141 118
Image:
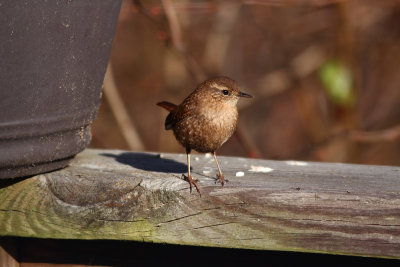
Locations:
205 119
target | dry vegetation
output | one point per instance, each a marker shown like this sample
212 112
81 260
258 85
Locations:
325 75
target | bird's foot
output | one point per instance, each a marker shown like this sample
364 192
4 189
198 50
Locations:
220 179
192 182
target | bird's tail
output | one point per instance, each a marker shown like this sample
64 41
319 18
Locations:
167 105
172 108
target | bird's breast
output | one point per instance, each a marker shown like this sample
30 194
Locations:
222 116
207 129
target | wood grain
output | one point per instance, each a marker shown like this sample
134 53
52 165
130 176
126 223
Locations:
276 205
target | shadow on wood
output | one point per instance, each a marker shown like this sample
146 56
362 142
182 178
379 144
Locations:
8 182
149 162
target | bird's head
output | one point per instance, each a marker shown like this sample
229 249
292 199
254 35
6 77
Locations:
222 89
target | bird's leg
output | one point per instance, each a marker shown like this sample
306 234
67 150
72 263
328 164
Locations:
220 176
189 178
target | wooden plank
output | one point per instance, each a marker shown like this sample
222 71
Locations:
8 253
276 205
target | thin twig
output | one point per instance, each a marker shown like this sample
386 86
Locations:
174 40
120 113
387 135
368 137
173 25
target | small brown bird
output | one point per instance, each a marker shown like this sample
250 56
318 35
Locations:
205 119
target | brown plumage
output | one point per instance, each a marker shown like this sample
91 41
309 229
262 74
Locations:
205 119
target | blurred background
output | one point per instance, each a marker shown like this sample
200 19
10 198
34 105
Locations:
324 73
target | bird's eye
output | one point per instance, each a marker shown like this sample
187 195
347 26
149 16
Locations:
225 92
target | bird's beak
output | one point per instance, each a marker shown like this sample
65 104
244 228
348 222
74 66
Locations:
241 94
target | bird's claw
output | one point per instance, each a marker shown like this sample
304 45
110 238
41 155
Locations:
192 182
220 179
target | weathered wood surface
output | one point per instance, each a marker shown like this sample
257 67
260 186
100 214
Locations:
280 205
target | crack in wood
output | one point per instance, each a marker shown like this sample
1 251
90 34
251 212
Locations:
346 221
122 220
211 225
214 208
180 218
12 210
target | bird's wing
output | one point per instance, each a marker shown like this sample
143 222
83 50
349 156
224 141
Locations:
177 113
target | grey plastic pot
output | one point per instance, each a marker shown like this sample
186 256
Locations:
53 56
